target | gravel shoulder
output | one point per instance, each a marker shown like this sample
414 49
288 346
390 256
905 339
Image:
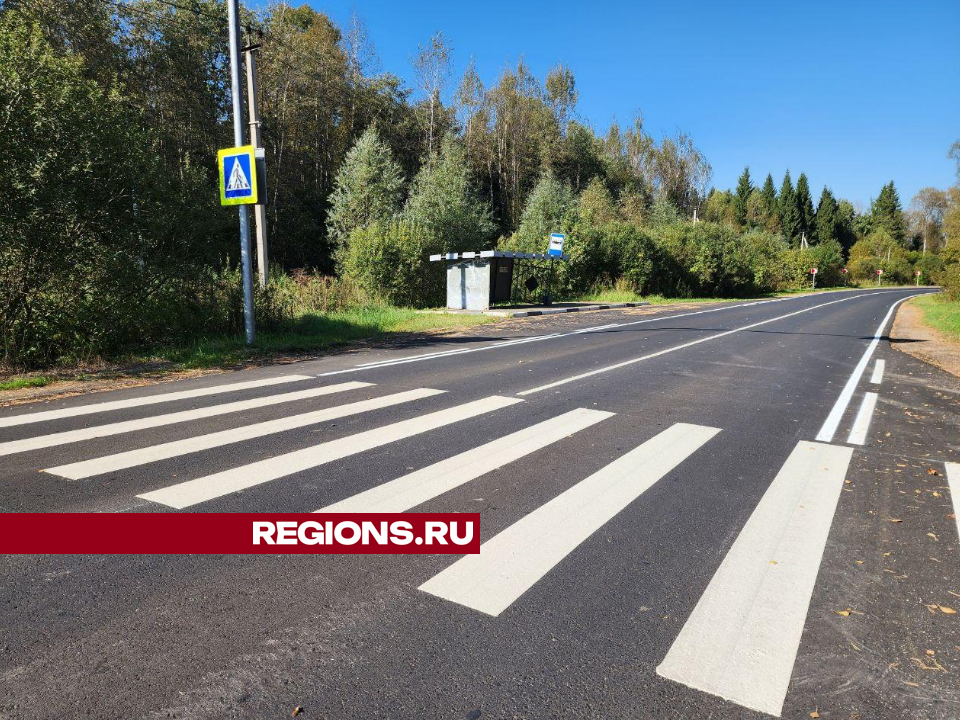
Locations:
914 337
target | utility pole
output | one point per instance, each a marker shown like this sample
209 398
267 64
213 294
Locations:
236 90
253 111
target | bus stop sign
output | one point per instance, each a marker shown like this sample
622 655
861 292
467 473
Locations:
238 176
556 245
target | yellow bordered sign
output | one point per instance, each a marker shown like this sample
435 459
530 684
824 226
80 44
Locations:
238 176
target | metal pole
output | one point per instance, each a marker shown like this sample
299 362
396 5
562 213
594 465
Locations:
814 281
260 210
233 18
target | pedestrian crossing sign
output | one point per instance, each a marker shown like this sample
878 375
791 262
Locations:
238 176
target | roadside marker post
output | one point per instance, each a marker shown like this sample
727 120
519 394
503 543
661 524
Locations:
844 273
813 273
917 273
879 275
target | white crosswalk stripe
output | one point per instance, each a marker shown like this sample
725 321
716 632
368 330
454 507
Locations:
741 640
511 562
98 431
192 492
154 453
953 482
418 487
68 412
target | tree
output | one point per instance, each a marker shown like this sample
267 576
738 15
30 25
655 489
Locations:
930 205
744 189
550 208
368 188
826 224
805 206
562 94
788 212
443 202
432 66
596 206
887 214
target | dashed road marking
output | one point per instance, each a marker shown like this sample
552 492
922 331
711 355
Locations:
858 433
878 368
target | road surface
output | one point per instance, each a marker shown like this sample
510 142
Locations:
735 511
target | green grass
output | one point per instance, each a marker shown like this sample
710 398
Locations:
311 333
940 314
20 383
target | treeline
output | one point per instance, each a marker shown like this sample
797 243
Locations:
112 238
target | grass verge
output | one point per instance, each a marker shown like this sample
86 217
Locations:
20 383
310 333
940 314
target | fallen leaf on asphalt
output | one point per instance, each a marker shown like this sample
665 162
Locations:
896 520
296 711
893 665
923 666
931 653
815 713
936 494
859 562
932 608
886 554
953 593
947 610
847 482
911 684
932 471
931 535
843 613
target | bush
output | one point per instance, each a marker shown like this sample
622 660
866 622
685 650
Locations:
390 261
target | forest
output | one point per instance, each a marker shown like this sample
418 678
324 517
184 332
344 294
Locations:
112 237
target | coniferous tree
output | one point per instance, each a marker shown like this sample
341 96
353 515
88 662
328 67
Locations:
368 188
788 212
805 206
744 188
825 228
886 213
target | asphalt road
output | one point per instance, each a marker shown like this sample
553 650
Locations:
725 512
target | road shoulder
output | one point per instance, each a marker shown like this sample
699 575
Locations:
911 335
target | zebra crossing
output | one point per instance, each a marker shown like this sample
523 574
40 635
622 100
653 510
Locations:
741 640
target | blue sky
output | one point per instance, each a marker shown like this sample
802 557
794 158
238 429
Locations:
853 93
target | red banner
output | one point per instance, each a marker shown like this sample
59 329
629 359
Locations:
239 533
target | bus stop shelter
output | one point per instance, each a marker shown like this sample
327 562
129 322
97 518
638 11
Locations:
479 280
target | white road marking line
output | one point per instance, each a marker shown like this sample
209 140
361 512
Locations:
858 433
537 338
44 415
953 482
98 431
418 487
741 640
200 490
830 425
878 368
513 561
683 346
154 453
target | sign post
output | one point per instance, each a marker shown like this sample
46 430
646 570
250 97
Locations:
813 273
233 18
844 273
879 275
554 250
917 273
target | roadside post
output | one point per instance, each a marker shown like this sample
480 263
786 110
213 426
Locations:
813 273
554 251
238 184
844 273
917 273
879 275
